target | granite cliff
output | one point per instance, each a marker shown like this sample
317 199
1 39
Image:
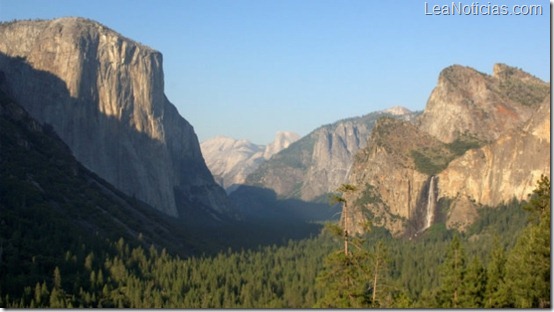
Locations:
46 194
391 178
467 101
231 160
482 140
104 95
318 163
508 168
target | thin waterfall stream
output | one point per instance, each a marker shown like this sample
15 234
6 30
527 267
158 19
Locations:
431 203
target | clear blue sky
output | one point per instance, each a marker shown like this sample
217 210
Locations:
247 69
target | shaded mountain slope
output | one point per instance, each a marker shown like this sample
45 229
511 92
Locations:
103 94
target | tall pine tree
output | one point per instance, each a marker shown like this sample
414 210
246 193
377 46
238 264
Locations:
528 265
451 276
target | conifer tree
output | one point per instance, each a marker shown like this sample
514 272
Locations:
451 276
528 265
495 293
379 264
343 189
474 285
57 295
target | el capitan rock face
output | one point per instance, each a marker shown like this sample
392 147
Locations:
103 94
482 140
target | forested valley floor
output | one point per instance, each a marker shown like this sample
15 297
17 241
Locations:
503 260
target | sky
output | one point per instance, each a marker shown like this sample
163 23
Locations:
249 68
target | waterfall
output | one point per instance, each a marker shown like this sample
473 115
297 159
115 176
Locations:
431 201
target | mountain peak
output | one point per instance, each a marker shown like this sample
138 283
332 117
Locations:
397 110
506 72
468 102
282 140
231 160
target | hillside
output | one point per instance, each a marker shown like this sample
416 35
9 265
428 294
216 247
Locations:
50 203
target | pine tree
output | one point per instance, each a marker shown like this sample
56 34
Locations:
451 277
379 265
57 299
474 285
344 189
343 280
528 264
495 293
345 276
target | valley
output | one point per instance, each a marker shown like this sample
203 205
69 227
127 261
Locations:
108 199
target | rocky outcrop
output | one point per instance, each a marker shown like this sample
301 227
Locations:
319 162
467 101
231 160
104 95
482 140
392 188
499 172
283 139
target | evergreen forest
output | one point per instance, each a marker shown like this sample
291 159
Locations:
70 240
503 260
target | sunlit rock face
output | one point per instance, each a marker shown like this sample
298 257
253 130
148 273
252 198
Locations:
391 192
467 101
319 162
499 172
408 168
104 95
231 160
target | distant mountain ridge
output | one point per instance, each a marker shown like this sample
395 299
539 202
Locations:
320 161
231 160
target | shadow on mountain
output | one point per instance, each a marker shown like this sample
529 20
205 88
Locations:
266 219
89 206
127 158
34 156
257 203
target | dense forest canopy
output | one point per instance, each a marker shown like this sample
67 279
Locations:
502 261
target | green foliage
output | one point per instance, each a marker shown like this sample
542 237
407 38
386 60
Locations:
528 265
60 247
434 160
525 92
495 294
452 272
464 143
539 204
429 162
368 196
343 281
474 285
